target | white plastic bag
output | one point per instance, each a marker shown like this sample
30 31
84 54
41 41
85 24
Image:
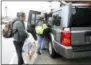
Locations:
29 49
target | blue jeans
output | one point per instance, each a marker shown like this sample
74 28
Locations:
18 46
40 42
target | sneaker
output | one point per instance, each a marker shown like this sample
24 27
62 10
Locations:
39 53
44 49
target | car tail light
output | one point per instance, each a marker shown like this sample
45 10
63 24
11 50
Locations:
66 37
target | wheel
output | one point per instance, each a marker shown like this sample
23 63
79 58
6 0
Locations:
51 50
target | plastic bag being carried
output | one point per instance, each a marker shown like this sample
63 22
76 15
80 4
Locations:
29 49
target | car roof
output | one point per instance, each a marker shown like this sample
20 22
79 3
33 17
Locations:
74 5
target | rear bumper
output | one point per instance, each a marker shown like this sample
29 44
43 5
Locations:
68 53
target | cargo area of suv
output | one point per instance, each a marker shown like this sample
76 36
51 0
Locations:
80 25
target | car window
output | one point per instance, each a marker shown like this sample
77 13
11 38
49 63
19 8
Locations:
37 17
81 17
56 18
50 20
33 19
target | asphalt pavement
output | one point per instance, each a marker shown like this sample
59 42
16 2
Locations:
9 56
44 58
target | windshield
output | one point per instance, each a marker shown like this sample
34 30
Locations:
81 17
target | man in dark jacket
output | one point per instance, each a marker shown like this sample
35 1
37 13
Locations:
19 35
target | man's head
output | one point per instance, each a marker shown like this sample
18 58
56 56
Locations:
21 16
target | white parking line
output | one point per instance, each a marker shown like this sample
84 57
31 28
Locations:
13 58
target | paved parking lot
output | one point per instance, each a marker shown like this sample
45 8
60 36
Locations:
8 51
45 59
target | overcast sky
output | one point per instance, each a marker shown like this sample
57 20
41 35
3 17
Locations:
15 6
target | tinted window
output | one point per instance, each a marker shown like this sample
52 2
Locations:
33 19
37 16
81 17
57 18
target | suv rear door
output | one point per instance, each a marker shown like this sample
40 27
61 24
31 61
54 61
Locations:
80 25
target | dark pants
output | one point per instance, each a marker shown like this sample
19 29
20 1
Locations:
18 46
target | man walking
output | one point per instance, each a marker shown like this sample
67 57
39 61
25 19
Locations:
19 35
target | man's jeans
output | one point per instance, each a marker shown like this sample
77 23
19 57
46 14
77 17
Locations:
40 42
18 47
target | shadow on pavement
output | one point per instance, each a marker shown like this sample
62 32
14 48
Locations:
46 59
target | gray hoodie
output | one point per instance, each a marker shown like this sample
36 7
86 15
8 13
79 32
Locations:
21 34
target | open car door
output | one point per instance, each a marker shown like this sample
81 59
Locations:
32 22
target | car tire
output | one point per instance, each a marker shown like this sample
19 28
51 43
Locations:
51 50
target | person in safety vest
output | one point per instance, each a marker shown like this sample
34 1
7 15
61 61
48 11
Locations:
39 31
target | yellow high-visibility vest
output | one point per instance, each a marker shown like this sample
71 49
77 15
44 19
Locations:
40 29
